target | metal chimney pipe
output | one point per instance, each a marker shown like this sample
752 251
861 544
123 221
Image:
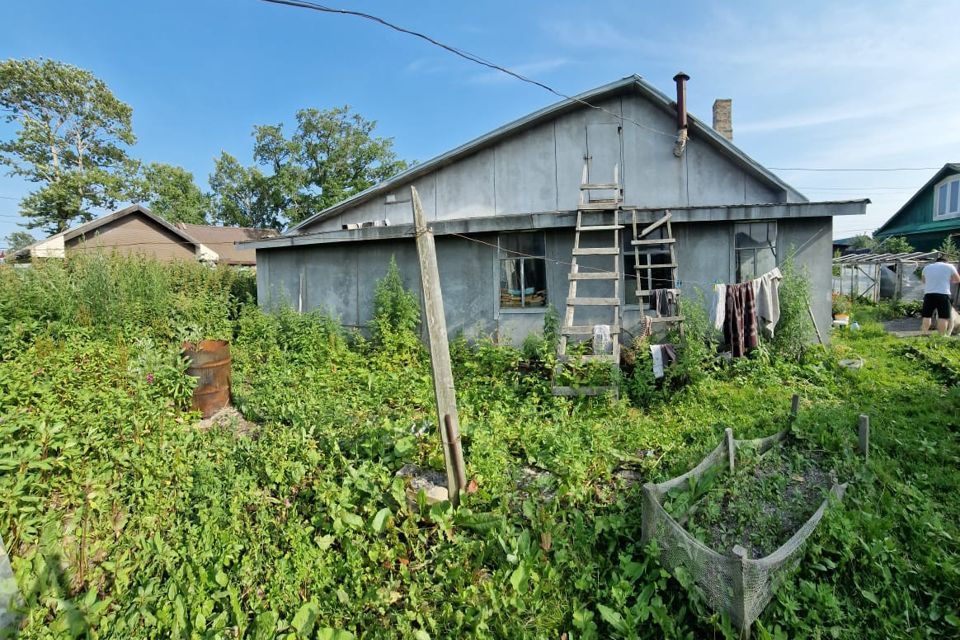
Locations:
681 80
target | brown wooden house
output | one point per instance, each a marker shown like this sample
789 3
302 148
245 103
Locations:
137 230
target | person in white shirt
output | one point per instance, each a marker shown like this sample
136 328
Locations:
937 278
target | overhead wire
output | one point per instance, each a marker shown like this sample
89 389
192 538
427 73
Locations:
466 55
472 57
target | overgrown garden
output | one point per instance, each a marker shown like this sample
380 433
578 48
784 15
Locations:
123 519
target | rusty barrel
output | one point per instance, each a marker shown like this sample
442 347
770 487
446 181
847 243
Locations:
210 364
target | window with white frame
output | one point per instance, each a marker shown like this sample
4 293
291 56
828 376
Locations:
523 270
946 198
755 249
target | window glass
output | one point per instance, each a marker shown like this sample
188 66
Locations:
523 280
755 248
954 193
942 200
646 279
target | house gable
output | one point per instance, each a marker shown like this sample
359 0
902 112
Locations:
134 233
536 165
916 216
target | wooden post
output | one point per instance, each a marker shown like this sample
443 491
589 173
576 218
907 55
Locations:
447 419
731 448
814 320
863 434
794 411
739 591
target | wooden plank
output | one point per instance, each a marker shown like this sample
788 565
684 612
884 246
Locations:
587 330
448 421
583 391
598 275
601 227
667 319
647 292
655 266
598 186
596 251
599 206
598 357
641 243
656 224
594 302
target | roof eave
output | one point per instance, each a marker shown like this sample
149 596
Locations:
567 219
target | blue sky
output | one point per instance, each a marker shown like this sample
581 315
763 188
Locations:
814 84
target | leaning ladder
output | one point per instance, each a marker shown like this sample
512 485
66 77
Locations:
641 238
607 211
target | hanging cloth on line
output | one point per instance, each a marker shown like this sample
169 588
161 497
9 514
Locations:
766 292
740 319
663 356
664 302
718 306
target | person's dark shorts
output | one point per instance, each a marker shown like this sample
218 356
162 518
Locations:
939 302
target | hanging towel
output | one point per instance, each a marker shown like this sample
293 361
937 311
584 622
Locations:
766 290
657 360
740 320
718 306
664 302
663 356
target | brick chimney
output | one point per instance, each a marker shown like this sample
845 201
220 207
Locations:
723 117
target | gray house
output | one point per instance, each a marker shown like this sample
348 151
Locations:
511 211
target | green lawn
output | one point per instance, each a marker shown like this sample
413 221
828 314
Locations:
124 520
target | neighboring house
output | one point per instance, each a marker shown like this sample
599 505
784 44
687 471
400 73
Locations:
136 230
931 214
504 210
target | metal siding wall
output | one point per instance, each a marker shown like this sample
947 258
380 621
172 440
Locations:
526 172
811 242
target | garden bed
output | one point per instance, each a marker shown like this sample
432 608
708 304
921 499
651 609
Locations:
737 535
761 505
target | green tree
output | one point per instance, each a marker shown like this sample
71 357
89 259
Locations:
71 139
243 196
894 244
863 241
949 248
330 156
170 192
19 240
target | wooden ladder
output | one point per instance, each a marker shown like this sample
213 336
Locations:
641 239
605 218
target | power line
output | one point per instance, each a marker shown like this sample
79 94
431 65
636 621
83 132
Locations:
466 55
844 169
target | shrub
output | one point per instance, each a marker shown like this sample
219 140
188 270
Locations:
395 310
795 329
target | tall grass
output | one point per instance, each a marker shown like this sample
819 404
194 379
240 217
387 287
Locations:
113 294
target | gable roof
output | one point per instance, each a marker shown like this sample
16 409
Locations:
222 240
949 168
203 238
628 84
96 223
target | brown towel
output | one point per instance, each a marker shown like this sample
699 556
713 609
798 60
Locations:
740 321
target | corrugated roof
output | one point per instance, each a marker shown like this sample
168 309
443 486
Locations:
222 240
630 83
